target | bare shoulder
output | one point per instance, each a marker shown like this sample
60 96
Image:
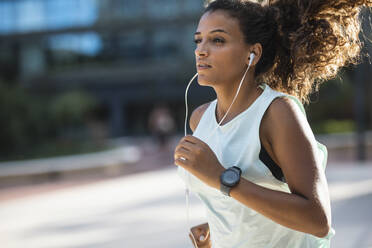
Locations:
284 129
283 105
284 113
197 114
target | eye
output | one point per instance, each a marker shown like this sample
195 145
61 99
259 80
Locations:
218 40
197 41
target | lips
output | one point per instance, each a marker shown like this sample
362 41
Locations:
203 66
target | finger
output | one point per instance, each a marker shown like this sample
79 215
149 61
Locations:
182 152
182 148
187 145
194 241
201 232
181 162
198 232
205 228
192 139
207 244
195 141
207 234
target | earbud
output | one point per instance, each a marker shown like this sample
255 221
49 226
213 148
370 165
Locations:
251 57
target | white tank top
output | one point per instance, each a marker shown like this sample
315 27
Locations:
237 143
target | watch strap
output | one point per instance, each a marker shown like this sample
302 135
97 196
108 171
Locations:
226 189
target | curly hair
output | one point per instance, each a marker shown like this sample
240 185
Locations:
304 42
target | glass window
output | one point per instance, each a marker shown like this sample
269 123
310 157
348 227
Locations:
164 8
166 42
7 16
193 6
133 8
30 15
67 13
36 15
133 45
87 43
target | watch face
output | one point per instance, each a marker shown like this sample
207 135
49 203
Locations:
230 178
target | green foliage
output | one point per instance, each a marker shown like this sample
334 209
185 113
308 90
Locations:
333 101
334 126
18 114
331 108
71 108
28 121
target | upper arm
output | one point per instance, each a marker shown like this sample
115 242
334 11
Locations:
296 151
196 116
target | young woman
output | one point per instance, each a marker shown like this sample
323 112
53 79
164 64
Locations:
255 164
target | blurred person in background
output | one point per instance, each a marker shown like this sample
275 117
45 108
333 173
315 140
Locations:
161 125
253 159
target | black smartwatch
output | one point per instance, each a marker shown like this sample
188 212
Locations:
229 179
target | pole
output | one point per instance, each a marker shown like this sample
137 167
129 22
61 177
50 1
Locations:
359 105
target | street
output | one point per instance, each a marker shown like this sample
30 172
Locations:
148 210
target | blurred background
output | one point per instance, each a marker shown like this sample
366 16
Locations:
92 102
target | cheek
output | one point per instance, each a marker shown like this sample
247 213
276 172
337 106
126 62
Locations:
231 62
232 58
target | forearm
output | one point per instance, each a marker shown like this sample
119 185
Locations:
290 210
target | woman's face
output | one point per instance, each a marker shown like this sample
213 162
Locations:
221 52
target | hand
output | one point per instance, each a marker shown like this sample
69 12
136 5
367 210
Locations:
199 160
201 236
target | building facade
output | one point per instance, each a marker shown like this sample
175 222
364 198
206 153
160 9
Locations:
129 53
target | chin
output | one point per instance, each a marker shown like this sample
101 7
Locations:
203 81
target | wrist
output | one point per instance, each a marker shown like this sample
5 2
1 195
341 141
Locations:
217 181
229 179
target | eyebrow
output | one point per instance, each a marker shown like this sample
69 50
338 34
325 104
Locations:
214 31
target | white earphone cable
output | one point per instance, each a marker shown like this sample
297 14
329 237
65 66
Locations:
236 95
187 191
187 89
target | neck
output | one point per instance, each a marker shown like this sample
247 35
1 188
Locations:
248 93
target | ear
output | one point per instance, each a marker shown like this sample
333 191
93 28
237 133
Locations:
257 50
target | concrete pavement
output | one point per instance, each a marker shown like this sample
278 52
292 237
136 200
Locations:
148 210
135 154
127 155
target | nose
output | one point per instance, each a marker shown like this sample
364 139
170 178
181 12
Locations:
201 51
